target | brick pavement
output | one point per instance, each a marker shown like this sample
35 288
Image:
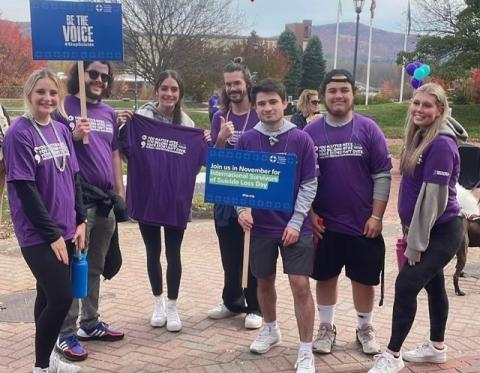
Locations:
206 346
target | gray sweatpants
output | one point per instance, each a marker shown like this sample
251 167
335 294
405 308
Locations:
99 233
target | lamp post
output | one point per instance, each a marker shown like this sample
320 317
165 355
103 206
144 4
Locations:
358 4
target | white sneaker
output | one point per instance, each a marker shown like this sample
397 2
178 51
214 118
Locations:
387 363
325 338
159 317
253 321
173 320
426 353
40 370
266 339
305 362
366 337
57 365
220 311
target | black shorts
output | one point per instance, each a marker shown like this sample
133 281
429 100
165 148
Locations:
362 257
297 259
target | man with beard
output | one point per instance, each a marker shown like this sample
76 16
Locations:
235 117
347 211
100 167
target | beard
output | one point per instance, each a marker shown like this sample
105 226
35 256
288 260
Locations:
340 112
94 96
240 98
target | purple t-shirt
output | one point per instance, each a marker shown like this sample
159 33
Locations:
28 158
238 123
95 158
439 164
269 223
348 156
163 161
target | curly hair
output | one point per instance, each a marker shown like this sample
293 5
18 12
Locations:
304 99
72 82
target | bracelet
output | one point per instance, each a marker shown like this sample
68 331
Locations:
375 217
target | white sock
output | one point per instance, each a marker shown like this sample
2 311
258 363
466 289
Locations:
364 318
326 313
272 325
305 346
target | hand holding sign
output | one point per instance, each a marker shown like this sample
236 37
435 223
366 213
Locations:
81 130
245 220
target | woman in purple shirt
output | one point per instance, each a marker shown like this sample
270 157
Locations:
46 209
430 215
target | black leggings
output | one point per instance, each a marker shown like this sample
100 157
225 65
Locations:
428 274
54 297
153 243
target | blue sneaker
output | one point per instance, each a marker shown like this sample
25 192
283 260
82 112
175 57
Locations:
100 332
70 348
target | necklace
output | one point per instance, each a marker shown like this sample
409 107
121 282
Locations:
325 130
233 139
35 124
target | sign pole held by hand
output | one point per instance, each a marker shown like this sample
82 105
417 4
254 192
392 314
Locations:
246 255
83 99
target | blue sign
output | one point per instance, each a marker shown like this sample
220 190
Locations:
251 179
81 31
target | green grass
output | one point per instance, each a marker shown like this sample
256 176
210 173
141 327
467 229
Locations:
201 119
391 117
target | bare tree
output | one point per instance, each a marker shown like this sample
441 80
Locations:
438 17
176 34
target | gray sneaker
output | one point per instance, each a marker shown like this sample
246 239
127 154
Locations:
325 338
426 353
366 337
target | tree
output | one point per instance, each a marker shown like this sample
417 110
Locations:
265 60
313 64
185 35
16 62
455 49
287 43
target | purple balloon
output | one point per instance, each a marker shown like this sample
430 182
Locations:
417 64
411 68
416 83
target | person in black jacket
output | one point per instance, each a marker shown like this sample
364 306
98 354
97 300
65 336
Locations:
307 108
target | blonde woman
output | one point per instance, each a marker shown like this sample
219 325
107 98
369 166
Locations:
46 209
307 108
430 214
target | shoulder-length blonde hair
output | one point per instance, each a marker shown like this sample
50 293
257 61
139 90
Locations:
30 84
416 139
304 99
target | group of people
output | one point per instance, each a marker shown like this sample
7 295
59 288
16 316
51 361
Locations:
341 190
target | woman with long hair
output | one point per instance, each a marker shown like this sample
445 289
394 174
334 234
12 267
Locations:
431 219
46 208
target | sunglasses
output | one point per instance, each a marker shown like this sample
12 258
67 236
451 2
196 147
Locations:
315 102
94 74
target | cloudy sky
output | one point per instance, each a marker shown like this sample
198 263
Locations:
268 17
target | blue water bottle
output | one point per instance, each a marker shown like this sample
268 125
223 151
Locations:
80 275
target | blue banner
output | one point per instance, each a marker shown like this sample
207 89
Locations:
251 179
81 31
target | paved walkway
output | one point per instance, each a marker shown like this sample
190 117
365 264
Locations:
205 345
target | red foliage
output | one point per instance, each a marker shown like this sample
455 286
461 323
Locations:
476 77
16 62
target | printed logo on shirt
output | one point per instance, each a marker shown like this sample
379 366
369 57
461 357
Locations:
166 145
42 153
441 173
347 149
97 125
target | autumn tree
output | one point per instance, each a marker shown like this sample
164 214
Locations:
16 62
262 58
